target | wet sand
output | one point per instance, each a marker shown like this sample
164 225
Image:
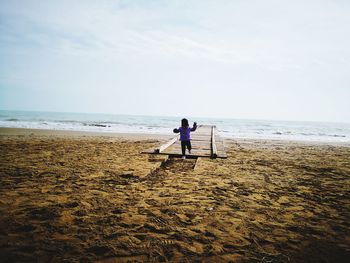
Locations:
82 197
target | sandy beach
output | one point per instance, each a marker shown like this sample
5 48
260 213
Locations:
84 197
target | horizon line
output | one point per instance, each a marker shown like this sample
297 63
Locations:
176 116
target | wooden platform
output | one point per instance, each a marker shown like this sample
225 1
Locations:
205 143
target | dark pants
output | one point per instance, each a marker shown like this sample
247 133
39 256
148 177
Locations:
183 146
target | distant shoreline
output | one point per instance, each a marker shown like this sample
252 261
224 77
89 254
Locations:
143 136
114 125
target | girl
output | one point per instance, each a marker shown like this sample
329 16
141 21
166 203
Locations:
185 137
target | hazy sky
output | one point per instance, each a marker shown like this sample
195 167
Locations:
270 59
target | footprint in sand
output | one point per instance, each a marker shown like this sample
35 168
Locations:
44 213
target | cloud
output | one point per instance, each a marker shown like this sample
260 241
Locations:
239 47
244 33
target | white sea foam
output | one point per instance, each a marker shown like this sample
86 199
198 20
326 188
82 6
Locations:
230 128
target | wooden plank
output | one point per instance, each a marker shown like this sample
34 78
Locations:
190 156
214 152
207 155
206 142
166 145
202 138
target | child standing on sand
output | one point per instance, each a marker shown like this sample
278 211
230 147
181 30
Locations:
185 137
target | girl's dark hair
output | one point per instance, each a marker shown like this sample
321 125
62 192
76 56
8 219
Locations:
184 123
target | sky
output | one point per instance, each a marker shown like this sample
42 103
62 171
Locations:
250 59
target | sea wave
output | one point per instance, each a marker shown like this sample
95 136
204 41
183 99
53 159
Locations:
251 129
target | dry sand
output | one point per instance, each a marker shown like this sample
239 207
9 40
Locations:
73 197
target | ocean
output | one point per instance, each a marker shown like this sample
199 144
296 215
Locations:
229 128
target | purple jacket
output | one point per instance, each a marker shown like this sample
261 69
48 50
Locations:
185 132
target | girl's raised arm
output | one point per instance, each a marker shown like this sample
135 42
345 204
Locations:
194 126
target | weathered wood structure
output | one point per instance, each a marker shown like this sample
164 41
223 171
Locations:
206 142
